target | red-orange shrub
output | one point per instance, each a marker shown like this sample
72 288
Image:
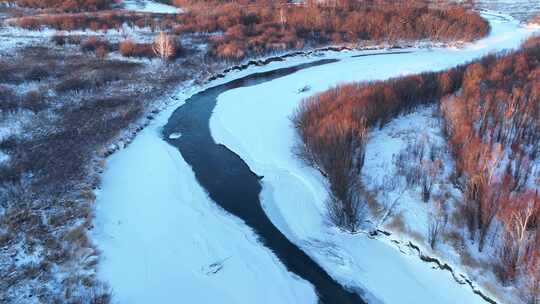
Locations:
491 114
128 48
67 5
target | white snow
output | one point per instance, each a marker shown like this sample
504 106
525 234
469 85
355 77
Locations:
521 9
175 135
147 6
380 174
384 144
254 123
164 240
3 157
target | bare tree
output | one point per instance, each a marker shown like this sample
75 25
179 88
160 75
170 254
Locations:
282 17
164 46
520 241
346 212
508 257
437 221
525 218
431 170
532 278
390 185
482 193
342 161
521 218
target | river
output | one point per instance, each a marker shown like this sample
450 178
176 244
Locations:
232 185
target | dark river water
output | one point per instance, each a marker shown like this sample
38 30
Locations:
231 184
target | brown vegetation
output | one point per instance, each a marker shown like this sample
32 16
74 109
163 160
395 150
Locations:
491 111
256 29
46 184
67 5
493 127
259 27
103 21
164 46
98 21
332 125
129 48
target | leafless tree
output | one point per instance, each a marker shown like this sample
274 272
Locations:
521 218
431 170
437 220
346 212
342 161
532 281
164 46
483 194
508 257
390 185
520 241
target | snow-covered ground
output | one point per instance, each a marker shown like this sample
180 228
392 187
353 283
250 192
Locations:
521 9
165 241
12 38
380 172
381 175
162 238
148 6
254 122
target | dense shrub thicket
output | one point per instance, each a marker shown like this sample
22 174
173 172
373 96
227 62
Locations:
259 27
67 5
96 21
255 29
332 125
491 110
493 128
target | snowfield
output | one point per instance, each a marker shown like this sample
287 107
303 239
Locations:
147 6
163 240
520 9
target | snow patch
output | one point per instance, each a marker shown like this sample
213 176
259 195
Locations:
175 135
150 7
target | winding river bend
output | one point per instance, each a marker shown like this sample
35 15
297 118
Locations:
231 183
163 239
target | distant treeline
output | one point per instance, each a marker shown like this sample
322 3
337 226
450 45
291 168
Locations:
67 5
250 29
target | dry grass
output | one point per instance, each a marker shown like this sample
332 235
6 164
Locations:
454 239
397 224
467 260
46 186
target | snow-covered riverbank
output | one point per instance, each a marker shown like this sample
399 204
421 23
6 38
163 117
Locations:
163 240
254 123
